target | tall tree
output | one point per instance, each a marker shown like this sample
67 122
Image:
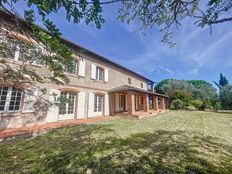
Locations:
222 81
166 14
226 97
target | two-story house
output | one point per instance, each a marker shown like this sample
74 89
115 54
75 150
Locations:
98 86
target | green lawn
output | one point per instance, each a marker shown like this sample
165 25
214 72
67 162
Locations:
175 142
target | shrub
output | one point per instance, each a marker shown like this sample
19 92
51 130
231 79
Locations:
191 108
185 97
177 104
197 103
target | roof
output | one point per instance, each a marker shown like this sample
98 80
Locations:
73 45
124 88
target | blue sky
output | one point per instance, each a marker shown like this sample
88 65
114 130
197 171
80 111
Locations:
198 55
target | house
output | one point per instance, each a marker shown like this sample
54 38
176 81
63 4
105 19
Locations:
98 86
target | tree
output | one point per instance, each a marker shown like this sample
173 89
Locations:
222 81
197 89
226 97
162 13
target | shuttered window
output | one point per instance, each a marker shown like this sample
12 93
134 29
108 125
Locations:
72 69
99 73
67 103
98 103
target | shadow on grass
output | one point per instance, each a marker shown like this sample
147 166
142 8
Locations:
98 149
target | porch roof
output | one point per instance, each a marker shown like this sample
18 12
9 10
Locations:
125 88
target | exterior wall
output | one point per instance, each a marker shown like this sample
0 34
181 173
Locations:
116 76
84 87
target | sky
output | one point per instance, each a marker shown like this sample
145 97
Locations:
198 54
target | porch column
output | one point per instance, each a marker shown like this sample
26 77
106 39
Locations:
155 102
131 102
112 104
145 103
162 103
166 106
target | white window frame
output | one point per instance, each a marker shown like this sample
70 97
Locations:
17 54
76 72
8 99
67 105
98 69
98 106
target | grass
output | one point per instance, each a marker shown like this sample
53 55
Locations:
175 142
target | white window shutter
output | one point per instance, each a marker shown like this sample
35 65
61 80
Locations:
81 105
106 75
93 71
91 105
53 110
30 99
16 57
106 104
82 67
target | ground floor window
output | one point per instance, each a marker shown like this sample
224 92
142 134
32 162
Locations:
67 103
10 99
98 103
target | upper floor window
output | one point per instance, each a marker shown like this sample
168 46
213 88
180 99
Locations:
129 80
72 69
141 85
19 51
10 99
99 73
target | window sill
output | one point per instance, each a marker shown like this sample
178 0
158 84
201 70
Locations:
17 62
10 114
99 81
71 75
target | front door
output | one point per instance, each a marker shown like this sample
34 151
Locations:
138 102
120 103
67 106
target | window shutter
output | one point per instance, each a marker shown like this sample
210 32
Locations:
106 105
30 99
91 105
81 105
82 67
16 57
106 75
53 110
93 71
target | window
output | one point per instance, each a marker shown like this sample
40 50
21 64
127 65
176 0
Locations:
72 69
67 103
9 49
121 100
10 99
98 103
19 51
141 85
129 80
30 54
99 73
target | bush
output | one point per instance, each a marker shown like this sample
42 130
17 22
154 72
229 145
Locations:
197 104
177 104
181 95
190 108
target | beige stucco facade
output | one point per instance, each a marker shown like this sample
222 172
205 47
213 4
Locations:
88 97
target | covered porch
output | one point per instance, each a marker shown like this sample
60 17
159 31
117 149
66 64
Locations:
130 101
